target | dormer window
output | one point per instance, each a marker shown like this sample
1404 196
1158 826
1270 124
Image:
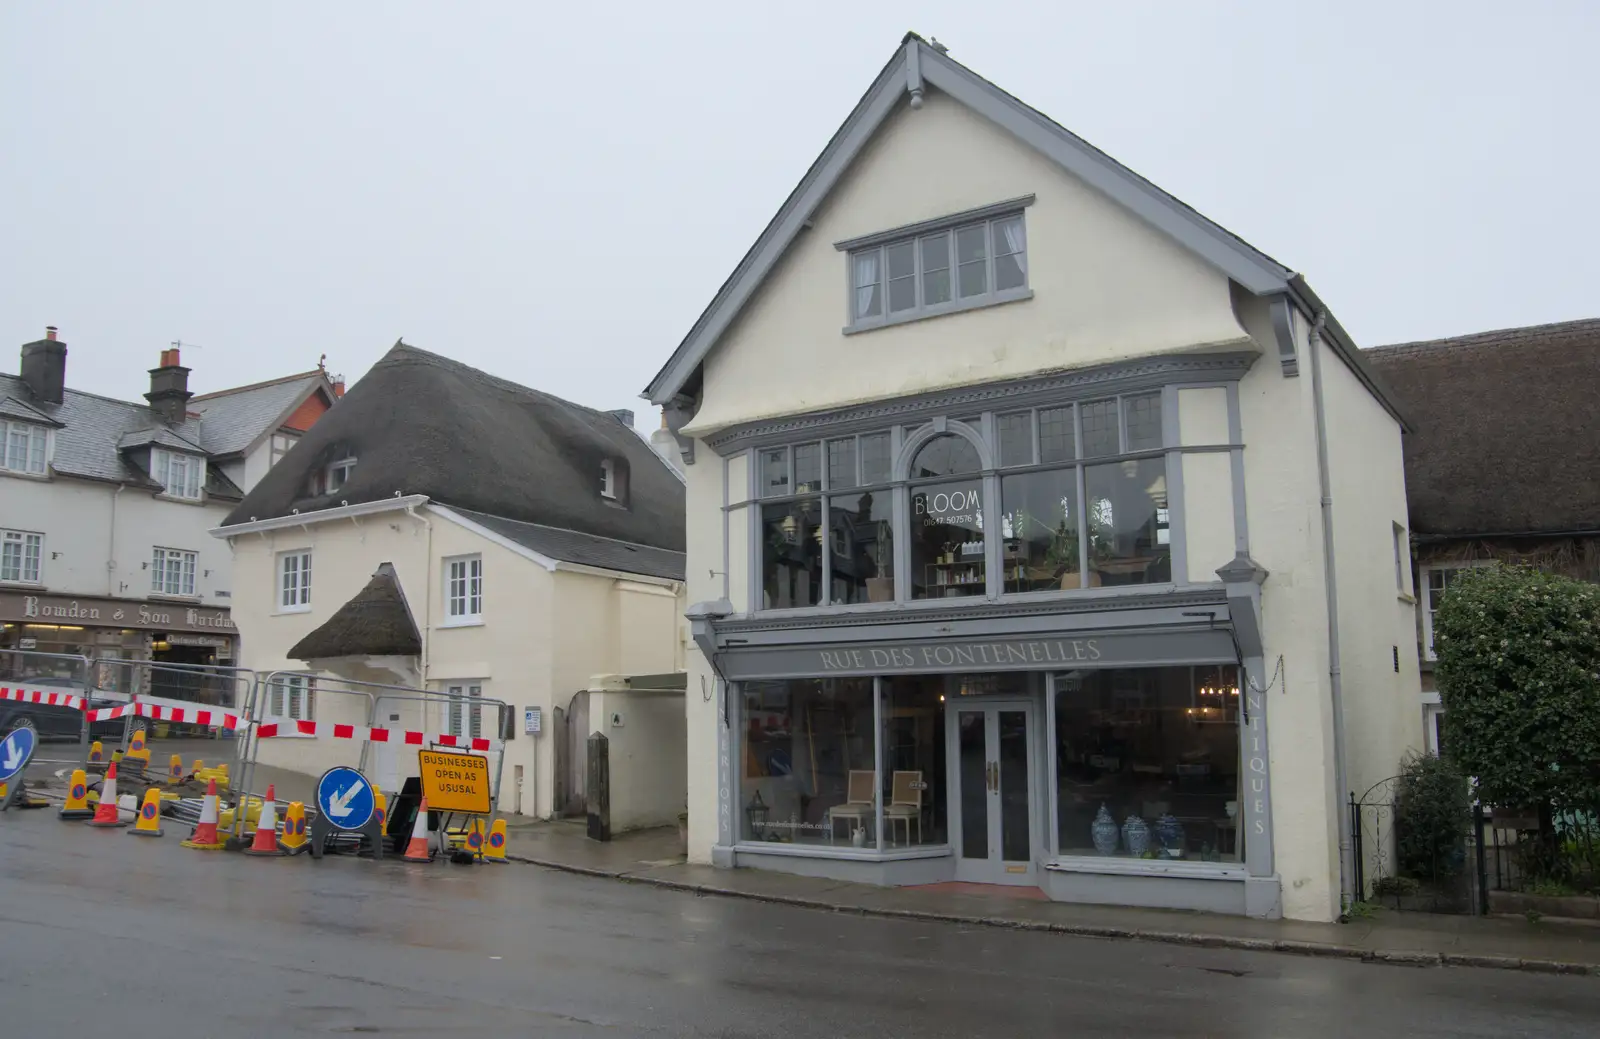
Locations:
608 479
339 474
181 475
22 447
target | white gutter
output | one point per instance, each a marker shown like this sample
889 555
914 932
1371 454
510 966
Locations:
1335 677
399 503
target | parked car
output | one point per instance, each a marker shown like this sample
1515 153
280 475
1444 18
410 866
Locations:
54 722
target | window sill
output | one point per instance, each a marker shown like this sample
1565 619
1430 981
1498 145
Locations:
1187 870
22 584
175 499
844 851
995 300
955 602
170 597
462 622
1407 598
280 611
18 474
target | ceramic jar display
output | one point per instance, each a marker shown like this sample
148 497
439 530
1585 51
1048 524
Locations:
1103 832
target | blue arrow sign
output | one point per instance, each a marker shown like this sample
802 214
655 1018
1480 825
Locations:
344 797
15 751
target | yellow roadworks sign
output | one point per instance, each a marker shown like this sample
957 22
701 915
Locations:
455 782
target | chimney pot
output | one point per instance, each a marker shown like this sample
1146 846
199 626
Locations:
50 332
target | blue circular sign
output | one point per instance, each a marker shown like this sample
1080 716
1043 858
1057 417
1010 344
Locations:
344 797
15 750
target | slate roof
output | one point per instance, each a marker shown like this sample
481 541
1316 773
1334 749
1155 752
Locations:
419 423
235 419
376 622
91 432
588 549
1505 441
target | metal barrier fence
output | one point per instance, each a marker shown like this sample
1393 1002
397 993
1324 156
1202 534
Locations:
370 723
47 692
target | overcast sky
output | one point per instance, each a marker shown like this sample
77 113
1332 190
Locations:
554 192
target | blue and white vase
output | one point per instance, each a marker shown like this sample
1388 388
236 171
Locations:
1135 836
1169 834
1104 832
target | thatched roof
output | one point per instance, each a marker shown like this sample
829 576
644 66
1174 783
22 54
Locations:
1505 440
418 423
376 623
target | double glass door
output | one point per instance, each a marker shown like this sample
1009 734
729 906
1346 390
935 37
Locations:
991 744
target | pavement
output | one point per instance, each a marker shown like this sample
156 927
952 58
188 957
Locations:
1413 939
102 934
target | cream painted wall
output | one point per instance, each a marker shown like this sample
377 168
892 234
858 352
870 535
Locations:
76 519
1202 416
543 637
1207 514
647 755
1377 614
1106 286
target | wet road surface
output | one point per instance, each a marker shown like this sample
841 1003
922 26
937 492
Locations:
102 933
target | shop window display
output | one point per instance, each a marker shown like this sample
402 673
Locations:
809 773
1147 763
913 788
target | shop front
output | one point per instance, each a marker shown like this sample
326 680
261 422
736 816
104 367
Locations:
191 646
1101 755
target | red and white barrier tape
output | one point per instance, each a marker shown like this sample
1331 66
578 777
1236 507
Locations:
39 696
267 730
166 712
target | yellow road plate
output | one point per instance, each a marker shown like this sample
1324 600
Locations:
455 782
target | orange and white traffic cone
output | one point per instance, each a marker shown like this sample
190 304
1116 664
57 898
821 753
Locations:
77 804
417 849
266 842
293 841
495 849
149 822
105 814
205 836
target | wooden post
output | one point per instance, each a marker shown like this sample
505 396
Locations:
599 793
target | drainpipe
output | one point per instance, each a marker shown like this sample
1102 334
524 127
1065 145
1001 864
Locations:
1336 679
111 544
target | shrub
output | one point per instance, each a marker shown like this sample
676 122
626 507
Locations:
1519 676
1432 815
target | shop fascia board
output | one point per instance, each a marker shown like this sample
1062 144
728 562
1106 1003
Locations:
1207 610
399 503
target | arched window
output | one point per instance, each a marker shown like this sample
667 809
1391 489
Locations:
948 555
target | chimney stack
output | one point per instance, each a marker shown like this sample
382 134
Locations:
622 415
44 367
338 387
169 388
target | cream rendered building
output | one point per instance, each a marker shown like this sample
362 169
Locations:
522 568
1040 531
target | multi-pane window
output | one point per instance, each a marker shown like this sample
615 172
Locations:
463 589
1436 580
339 474
292 696
464 710
20 552
22 446
181 474
940 271
281 443
294 581
172 571
1082 502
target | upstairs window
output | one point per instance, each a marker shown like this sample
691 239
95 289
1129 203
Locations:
180 474
22 447
339 474
172 571
608 479
463 590
294 581
281 443
938 267
20 552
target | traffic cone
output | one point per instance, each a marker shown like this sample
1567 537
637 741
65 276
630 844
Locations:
106 813
204 836
293 841
417 849
77 806
175 768
495 850
196 767
97 752
266 842
149 823
137 747
475 836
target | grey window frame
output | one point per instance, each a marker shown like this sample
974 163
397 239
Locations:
989 217
983 431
